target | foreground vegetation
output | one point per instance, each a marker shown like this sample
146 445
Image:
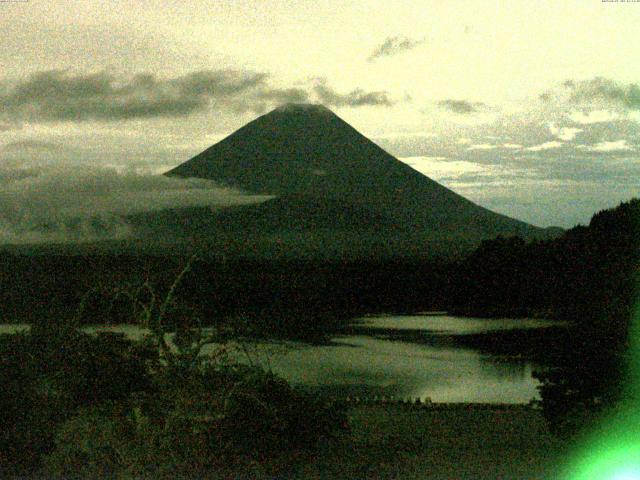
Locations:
73 405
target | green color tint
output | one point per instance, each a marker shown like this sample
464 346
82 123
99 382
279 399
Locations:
612 450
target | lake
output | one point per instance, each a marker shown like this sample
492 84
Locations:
414 356
404 356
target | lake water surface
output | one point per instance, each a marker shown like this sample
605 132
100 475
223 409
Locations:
375 359
380 360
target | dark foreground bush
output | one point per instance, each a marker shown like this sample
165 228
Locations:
51 373
75 405
207 423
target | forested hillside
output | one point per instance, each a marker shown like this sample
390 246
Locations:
589 276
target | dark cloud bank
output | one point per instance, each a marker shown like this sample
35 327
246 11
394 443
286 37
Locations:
58 95
355 98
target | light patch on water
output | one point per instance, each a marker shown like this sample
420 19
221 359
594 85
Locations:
446 324
367 365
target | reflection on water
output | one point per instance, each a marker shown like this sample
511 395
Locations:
368 364
445 324
378 367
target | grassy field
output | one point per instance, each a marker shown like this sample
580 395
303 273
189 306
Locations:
398 442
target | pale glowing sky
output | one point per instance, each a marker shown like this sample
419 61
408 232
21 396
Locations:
527 107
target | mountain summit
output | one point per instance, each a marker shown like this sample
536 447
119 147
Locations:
326 174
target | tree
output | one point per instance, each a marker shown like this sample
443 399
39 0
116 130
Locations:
603 263
51 373
202 412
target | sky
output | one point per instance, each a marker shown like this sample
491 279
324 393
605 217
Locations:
531 109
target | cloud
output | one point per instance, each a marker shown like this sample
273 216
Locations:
545 146
220 83
595 116
564 133
53 198
482 146
558 162
393 46
442 168
396 135
28 153
617 146
462 106
356 98
606 90
278 97
283 95
595 94
58 95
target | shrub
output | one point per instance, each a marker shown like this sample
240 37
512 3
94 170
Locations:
49 374
107 407
216 421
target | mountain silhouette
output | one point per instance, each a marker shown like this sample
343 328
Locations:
326 175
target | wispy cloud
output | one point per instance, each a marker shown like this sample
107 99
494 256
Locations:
545 146
595 116
442 168
393 46
283 95
64 204
616 146
462 106
416 134
598 93
604 89
482 146
564 133
355 98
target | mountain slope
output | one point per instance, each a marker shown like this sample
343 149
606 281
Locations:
318 165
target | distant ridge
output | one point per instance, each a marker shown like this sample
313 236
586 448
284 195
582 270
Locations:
327 175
